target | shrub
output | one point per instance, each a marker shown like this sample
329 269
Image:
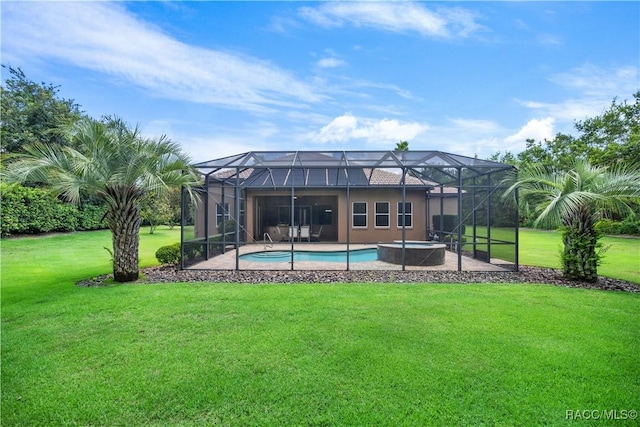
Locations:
607 226
34 210
630 225
91 217
169 254
28 210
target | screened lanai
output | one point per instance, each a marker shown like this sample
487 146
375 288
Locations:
350 210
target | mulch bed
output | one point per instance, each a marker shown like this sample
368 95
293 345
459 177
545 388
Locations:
533 275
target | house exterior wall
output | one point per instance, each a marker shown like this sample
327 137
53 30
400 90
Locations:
372 233
422 213
449 207
214 196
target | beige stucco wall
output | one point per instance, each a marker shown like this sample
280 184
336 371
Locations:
343 216
450 207
371 233
215 196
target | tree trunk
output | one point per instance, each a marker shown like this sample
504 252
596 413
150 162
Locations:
125 251
124 222
579 258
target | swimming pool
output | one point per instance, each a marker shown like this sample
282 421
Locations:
356 255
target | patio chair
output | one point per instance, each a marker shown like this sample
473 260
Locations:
292 233
315 235
282 233
305 233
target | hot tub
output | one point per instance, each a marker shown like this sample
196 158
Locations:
420 253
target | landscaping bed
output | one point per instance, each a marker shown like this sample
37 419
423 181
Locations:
527 274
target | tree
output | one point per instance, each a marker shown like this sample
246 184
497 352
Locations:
508 157
558 153
402 146
174 199
575 199
615 135
155 210
115 163
32 112
612 137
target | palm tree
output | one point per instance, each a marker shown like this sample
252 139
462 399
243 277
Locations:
115 163
575 200
402 146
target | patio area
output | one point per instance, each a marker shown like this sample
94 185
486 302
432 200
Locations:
227 261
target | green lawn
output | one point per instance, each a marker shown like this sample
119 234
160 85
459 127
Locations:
542 248
369 354
621 259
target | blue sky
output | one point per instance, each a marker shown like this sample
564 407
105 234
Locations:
222 78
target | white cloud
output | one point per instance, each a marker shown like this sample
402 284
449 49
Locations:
340 129
461 21
592 88
385 131
595 81
537 129
464 136
549 40
478 137
106 38
330 63
204 148
476 125
204 142
569 110
403 93
397 17
158 127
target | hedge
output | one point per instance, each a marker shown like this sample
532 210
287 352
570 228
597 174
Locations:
27 210
629 226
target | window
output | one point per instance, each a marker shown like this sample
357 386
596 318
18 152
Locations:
405 216
359 215
322 215
222 214
382 214
284 215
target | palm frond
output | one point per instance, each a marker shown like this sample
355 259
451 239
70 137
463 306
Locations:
558 196
105 158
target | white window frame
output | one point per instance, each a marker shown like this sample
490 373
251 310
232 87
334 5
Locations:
382 214
365 214
404 215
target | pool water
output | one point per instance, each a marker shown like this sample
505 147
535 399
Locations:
359 255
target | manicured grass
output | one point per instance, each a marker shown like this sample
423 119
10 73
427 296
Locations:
319 355
621 259
30 263
308 354
543 248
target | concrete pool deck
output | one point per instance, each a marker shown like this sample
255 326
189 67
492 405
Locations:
227 261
